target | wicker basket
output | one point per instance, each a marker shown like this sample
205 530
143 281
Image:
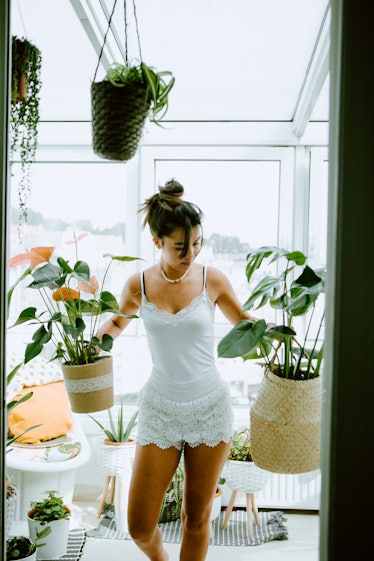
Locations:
245 477
118 118
110 459
286 424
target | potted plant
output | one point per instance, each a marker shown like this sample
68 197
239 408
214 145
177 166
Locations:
22 547
24 114
11 491
242 474
172 502
286 416
72 302
53 512
121 103
115 452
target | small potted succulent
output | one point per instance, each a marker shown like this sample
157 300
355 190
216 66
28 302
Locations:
22 547
115 451
53 512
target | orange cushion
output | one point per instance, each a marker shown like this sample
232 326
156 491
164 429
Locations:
48 407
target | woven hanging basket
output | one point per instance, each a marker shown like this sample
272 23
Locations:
286 424
90 386
118 118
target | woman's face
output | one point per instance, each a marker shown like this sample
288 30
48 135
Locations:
172 247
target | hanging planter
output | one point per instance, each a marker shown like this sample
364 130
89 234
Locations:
24 114
121 103
90 386
286 416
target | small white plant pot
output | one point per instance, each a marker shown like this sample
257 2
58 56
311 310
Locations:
55 543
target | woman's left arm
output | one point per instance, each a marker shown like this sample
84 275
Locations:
222 293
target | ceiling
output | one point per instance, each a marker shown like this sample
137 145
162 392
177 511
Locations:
237 60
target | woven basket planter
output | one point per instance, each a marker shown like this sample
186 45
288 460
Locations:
110 459
245 477
118 118
286 424
90 386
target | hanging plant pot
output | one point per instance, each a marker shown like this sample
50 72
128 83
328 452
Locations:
121 103
118 118
24 114
286 424
90 386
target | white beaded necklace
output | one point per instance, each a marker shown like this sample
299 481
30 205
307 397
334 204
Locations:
173 281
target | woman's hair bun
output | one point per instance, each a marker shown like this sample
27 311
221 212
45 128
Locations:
172 188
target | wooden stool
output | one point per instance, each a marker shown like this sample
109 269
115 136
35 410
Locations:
110 482
251 507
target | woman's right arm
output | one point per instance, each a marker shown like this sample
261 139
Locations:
129 304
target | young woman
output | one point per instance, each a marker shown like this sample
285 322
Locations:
185 405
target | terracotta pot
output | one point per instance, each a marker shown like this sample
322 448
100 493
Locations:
90 386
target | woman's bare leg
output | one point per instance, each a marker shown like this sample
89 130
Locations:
152 472
203 466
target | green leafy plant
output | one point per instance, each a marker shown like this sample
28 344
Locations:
19 547
240 448
277 345
157 87
119 431
67 319
24 115
172 501
12 404
49 509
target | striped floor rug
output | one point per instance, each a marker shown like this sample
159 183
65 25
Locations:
272 527
76 541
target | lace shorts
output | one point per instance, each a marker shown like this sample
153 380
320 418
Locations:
164 422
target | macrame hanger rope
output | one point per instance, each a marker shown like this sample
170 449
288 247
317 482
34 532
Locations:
125 21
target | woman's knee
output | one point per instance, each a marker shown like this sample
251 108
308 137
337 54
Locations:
195 520
140 529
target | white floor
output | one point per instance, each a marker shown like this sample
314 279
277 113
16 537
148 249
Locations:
302 543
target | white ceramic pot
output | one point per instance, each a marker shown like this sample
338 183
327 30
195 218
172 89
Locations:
55 543
246 477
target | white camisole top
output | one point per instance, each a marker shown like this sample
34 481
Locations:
182 347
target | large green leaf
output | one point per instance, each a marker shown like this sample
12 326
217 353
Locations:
263 291
74 328
255 258
40 338
48 276
242 338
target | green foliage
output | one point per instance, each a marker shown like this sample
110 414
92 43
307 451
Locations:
277 345
24 117
19 547
12 404
240 448
157 87
67 318
49 509
119 431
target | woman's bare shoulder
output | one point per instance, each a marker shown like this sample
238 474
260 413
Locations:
215 275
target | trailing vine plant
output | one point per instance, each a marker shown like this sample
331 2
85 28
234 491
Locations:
24 115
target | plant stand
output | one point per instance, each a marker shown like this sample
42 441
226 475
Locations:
111 460
247 478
